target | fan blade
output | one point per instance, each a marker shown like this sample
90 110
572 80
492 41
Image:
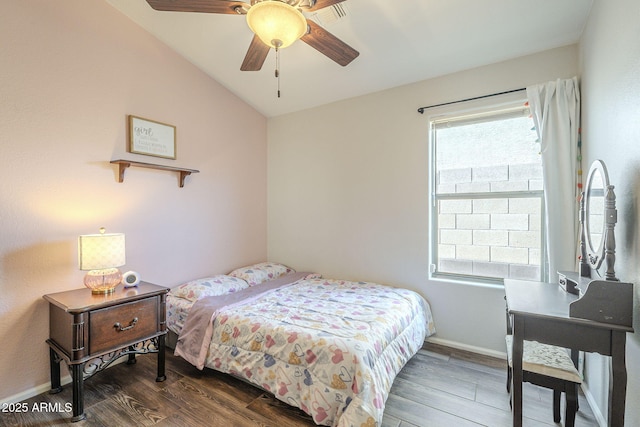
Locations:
328 44
205 6
255 56
321 4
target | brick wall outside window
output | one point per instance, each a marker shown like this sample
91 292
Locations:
494 237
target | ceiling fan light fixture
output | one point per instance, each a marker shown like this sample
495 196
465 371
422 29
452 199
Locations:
277 24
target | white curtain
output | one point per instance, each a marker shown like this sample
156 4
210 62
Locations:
555 107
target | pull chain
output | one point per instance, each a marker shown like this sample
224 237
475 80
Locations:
278 69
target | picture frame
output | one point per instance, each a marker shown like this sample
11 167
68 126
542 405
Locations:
151 138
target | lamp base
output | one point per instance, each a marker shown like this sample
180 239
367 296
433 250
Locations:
103 282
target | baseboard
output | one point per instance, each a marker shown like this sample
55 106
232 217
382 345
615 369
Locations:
34 391
601 420
42 388
470 348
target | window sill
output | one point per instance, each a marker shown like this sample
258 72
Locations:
468 282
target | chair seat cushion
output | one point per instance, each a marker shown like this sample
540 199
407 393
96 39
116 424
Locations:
546 360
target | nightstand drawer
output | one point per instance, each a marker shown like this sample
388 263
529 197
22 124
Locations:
113 327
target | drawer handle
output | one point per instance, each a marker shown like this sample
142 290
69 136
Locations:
119 327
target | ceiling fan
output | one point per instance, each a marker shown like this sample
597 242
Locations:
260 17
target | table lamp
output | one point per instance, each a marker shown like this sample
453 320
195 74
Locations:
100 255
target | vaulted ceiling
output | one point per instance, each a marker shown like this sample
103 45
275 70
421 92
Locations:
400 42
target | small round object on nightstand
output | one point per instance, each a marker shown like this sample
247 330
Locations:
130 279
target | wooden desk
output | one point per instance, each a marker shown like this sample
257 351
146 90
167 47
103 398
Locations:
540 312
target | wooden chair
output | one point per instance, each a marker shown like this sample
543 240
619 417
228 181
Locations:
551 367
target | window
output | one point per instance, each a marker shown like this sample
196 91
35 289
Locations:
487 207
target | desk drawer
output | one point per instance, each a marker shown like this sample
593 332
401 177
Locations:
112 327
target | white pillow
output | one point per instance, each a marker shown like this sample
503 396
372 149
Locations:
209 286
258 273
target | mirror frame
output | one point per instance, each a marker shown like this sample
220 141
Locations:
595 255
592 258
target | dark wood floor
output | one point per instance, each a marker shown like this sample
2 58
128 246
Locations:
438 387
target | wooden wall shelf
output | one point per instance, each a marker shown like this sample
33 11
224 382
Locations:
124 164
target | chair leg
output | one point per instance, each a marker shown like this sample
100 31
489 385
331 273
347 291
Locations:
556 405
509 375
571 396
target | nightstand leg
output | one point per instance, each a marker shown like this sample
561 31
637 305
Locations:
78 392
54 366
161 375
131 360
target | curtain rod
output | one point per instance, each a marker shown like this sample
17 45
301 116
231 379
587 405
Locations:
421 109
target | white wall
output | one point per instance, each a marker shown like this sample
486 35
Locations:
347 191
610 86
70 73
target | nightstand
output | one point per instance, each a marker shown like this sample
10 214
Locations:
89 332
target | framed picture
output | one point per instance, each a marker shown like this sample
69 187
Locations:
151 138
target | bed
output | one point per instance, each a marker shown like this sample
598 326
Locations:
329 347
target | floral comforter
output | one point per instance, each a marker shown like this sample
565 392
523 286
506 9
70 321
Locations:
329 347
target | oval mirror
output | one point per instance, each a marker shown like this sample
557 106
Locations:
597 183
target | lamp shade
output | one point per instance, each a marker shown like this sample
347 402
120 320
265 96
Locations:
277 24
101 251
